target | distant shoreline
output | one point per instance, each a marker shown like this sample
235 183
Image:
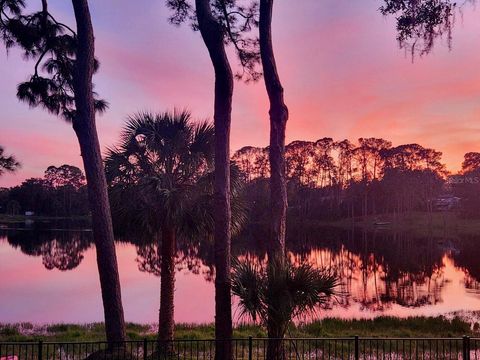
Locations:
437 224
19 219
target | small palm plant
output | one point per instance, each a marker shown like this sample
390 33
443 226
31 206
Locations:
278 293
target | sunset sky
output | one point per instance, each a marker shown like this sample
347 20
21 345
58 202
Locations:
343 72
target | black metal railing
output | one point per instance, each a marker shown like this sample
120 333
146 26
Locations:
351 348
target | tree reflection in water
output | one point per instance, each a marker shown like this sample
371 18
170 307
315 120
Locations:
466 257
377 269
62 250
190 258
62 256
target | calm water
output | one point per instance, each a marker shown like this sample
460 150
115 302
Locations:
51 276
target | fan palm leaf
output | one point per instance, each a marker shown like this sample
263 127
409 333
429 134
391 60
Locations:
281 293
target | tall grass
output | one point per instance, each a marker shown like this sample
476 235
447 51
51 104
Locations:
330 327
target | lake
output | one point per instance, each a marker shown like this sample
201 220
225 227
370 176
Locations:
49 275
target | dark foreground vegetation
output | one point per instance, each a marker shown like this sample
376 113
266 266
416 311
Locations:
378 327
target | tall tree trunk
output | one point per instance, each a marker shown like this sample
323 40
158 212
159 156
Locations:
85 129
167 285
278 184
278 121
213 36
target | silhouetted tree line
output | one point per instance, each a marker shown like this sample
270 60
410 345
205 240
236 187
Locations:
338 179
326 180
61 192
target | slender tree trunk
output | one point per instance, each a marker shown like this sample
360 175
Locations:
278 121
278 184
167 285
213 36
84 126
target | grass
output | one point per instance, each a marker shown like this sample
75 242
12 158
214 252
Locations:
379 327
389 327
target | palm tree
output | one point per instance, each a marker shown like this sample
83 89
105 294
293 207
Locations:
163 166
301 290
7 163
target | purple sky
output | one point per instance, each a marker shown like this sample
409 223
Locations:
343 72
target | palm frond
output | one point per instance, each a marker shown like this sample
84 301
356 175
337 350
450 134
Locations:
248 284
280 293
164 159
